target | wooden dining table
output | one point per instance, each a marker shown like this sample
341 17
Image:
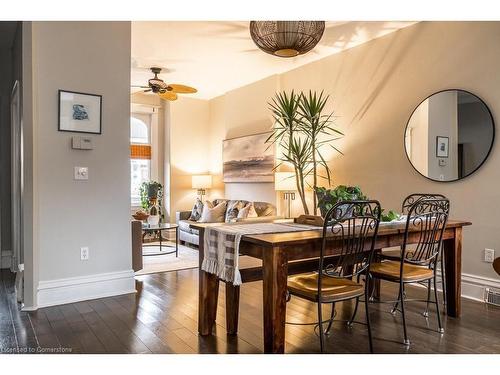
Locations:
284 254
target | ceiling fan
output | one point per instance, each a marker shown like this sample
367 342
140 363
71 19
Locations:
164 90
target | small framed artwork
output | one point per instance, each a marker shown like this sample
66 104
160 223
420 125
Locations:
442 144
80 112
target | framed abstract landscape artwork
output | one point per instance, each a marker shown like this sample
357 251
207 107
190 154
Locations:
80 112
248 159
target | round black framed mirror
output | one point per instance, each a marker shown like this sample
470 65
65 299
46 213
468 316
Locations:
449 135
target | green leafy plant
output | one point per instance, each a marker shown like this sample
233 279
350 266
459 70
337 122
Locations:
327 198
319 129
301 130
151 190
296 151
390 216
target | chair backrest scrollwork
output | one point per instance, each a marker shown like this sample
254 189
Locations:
354 225
425 223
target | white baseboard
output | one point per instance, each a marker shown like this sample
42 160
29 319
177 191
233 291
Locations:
6 259
75 289
473 286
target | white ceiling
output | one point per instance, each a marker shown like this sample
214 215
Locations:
216 57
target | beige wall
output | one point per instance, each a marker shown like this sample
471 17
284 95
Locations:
189 149
374 89
376 86
241 112
92 57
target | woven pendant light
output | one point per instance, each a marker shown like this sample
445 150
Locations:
286 38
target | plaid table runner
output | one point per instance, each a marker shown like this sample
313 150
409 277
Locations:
221 246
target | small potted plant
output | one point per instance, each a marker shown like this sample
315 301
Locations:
151 201
327 198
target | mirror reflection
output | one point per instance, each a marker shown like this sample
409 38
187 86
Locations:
449 135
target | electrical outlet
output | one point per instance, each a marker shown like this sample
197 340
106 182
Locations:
489 255
84 253
81 173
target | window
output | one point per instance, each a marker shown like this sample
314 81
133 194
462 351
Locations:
140 155
139 131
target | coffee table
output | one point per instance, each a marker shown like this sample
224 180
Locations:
147 228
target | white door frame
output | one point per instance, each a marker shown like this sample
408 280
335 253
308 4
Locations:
16 177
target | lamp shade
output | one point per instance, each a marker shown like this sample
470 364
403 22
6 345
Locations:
284 181
201 181
286 38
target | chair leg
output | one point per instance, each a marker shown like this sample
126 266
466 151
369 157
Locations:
349 323
367 312
426 311
321 332
441 330
401 296
332 315
443 279
395 307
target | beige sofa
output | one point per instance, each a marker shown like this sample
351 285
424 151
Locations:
265 211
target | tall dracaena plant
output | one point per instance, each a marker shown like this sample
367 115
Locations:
298 153
319 130
286 133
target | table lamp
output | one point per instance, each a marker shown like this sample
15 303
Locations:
285 182
201 182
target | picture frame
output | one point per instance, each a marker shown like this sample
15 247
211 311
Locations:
248 159
442 146
79 112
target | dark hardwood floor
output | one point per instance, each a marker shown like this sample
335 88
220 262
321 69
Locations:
162 318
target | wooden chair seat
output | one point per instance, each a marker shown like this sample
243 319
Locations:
333 289
391 254
390 270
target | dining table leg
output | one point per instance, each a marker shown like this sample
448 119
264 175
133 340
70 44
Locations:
453 273
208 294
232 308
275 270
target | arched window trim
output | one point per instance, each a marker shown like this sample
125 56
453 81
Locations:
136 138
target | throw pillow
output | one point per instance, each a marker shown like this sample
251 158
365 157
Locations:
247 212
197 210
212 214
233 209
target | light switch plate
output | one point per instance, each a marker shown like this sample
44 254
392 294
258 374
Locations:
79 142
489 255
81 173
84 253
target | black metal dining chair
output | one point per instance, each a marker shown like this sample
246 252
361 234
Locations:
425 225
353 226
408 202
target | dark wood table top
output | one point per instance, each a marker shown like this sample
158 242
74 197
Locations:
291 238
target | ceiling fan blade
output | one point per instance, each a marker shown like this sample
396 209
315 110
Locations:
181 89
148 90
169 95
142 87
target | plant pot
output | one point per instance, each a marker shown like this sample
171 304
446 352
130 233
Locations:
317 221
153 219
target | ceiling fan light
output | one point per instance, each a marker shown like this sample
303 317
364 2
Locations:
286 38
156 82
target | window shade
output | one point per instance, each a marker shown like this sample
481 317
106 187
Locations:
140 152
